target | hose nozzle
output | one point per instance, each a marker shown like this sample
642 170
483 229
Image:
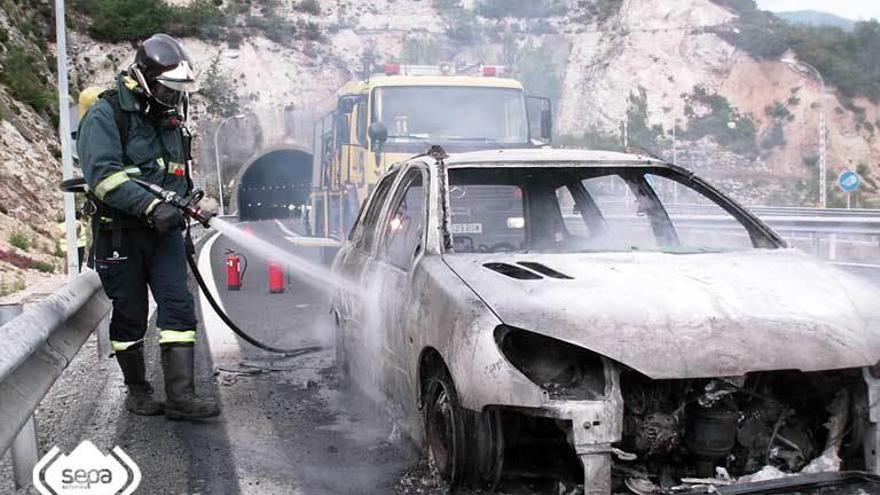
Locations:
189 206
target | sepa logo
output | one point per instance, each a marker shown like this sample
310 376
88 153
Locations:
86 471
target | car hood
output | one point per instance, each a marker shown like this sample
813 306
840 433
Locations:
690 315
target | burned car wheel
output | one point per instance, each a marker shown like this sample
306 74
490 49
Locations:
444 435
465 446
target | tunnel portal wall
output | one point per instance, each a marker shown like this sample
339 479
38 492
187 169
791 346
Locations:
275 185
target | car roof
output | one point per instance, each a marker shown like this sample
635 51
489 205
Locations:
548 157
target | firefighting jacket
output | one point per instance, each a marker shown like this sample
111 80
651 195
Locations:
151 152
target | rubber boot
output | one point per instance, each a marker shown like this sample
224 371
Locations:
181 401
139 399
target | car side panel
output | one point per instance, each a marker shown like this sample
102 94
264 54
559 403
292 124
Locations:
448 316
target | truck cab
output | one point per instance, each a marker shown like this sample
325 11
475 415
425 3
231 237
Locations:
402 111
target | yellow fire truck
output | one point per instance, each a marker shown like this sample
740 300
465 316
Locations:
399 113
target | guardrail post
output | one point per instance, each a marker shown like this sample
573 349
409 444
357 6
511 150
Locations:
25 454
24 448
37 347
8 311
832 246
102 334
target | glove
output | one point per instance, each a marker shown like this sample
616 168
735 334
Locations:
166 218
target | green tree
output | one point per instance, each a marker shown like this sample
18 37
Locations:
868 195
218 91
722 122
534 66
127 20
462 25
124 20
639 131
521 8
24 81
421 50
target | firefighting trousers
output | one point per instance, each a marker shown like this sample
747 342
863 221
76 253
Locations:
129 261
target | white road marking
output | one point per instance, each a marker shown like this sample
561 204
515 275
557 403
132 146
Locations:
305 241
285 229
224 345
245 422
855 265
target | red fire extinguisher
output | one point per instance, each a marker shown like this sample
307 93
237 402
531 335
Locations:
276 278
236 265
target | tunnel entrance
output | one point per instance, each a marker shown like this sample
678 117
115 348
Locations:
276 185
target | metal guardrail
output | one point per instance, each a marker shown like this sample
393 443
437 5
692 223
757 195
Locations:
824 232
39 341
866 226
796 211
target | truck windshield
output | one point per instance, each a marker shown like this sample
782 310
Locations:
438 113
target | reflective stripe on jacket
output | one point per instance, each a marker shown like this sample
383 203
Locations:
82 235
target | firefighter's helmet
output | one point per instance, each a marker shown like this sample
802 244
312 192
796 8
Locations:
163 70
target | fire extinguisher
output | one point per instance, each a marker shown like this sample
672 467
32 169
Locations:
236 265
276 278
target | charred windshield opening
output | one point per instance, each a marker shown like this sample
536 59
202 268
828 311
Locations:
450 114
589 209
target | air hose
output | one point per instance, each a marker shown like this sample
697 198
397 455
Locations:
190 209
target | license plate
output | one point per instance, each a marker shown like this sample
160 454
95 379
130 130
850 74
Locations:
467 228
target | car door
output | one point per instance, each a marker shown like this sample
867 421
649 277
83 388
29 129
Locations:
356 332
401 243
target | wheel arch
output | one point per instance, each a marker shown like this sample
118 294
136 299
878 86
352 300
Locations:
430 360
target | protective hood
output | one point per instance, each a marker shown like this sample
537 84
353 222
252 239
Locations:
688 315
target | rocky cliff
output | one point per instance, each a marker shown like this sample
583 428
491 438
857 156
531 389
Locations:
30 169
657 74
610 63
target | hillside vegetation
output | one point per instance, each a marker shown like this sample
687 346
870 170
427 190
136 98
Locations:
132 20
29 151
848 59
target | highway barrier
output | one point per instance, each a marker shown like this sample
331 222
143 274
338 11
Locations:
39 341
835 234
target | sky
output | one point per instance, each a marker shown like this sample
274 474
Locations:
852 9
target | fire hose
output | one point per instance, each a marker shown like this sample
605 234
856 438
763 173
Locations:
190 209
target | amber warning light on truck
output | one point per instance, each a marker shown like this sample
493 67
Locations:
444 69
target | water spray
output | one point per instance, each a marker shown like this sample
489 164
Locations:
190 208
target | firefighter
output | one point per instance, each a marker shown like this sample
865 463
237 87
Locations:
137 130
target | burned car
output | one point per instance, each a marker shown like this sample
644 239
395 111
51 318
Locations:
607 317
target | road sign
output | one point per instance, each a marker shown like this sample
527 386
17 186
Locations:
849 181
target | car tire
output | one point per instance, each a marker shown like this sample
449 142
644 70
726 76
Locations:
465 446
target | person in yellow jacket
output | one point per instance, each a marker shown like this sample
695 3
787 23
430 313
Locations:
82 238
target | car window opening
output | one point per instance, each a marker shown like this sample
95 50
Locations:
589 209
404 228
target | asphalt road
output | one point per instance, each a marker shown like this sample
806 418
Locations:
293 425
286 427
870 273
